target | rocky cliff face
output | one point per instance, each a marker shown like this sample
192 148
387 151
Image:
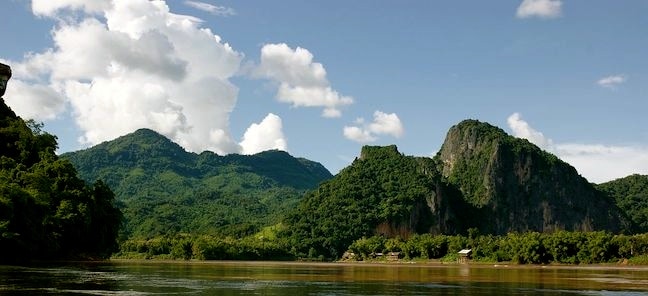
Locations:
515 186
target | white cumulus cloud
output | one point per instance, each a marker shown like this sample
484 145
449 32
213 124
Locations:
358 134
539 8
266 135
302 82
596 162
522 129
382 124
50 8
37 101
386 124
213 9
601 163
612 81
121 65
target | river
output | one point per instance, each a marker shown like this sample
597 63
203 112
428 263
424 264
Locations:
321 279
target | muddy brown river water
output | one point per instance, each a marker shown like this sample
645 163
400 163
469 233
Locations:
294 278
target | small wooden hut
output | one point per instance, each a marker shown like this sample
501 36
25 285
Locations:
465 255
393 256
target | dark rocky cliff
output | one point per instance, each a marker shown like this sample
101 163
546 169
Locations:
516 186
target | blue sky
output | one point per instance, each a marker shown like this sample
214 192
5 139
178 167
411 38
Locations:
322 78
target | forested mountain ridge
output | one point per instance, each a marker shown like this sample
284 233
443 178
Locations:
482 178
631 195
146 148
382 186
46 211
165 189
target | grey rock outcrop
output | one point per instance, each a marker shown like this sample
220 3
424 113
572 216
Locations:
519 187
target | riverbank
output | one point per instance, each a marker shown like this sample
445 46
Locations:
560 247
384 263
633 261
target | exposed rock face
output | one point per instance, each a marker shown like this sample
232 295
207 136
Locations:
515 186
5 74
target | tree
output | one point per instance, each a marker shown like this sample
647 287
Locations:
46 211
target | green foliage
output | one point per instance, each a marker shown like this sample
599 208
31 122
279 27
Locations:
381 187
564 246
631 195
482 181
596 247
639 260
395 244
204 247
521 248
365 248
490 248
164 190
46 211
426 246
526 248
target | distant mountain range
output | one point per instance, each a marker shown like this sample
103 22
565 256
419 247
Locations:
481 179
164 189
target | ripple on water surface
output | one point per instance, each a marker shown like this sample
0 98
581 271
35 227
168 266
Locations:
266 279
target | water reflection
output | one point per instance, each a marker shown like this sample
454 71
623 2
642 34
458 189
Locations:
272 278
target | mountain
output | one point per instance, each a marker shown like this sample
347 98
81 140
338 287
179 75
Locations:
482 178
518 187
164 189
46 211
382 189
631 195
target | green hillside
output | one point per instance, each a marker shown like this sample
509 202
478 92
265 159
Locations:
46 211
631 195
165 190
482 179
382 189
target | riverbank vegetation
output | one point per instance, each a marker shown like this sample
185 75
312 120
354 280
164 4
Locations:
560 247
204 247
